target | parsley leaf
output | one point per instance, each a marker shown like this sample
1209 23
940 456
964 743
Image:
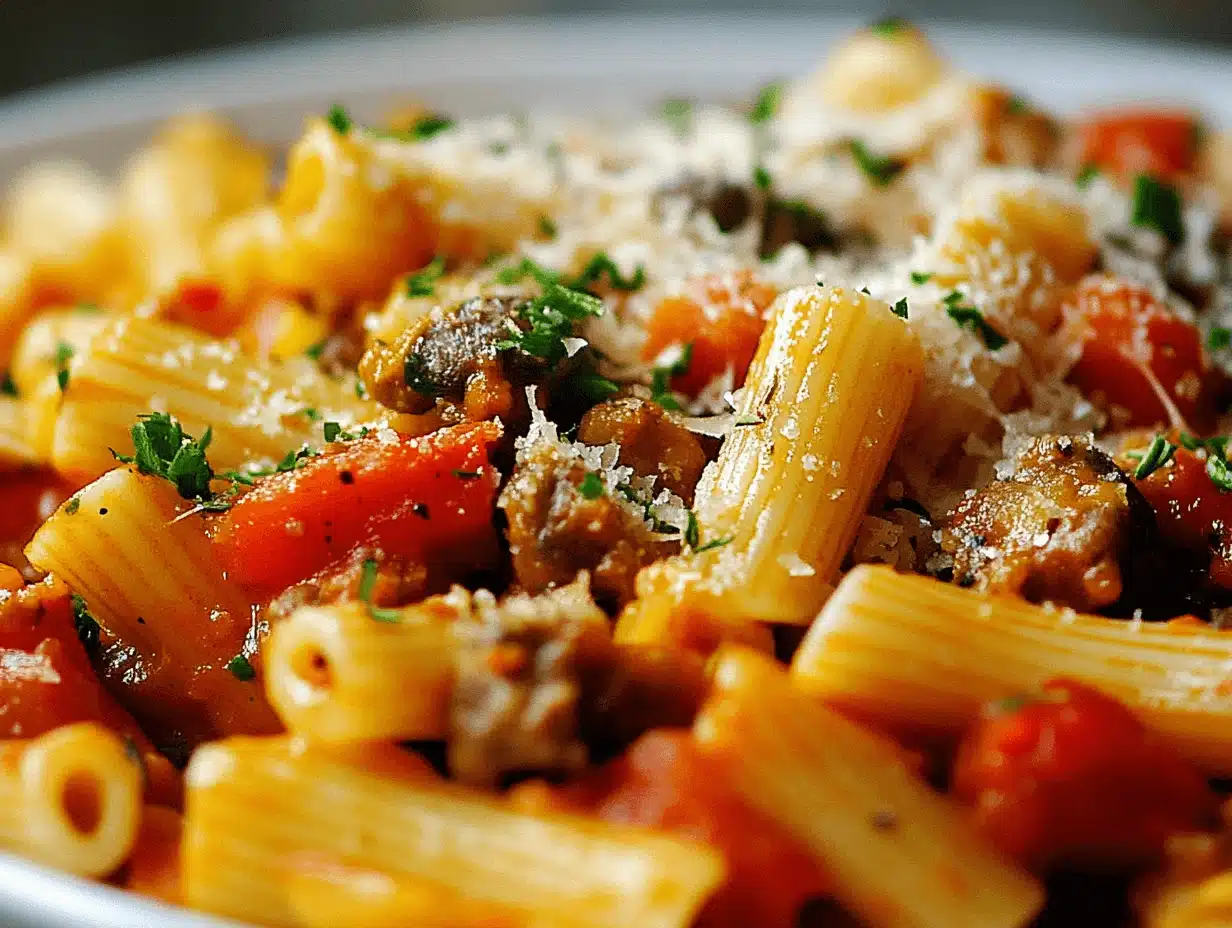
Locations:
331 431
1157 454
766 104
711 545
423 281
661 378
7 386
429 126
878 169
1219 472
600 266
679 115
592 386
339 119
311 413
527 268
415 373
86 625
547 228
161 448
295 459
591 486
1016 105
1157 206
1088 173
921 277
691 532
71 507
968 317
64 354
367 580
889 26
1218 338
241 669
551 318
314 351
900 308
761 178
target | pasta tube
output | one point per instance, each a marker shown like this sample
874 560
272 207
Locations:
258 411
339 674
181 616
899 854
251 801
70 798
910 652
49 343
16 448
825 399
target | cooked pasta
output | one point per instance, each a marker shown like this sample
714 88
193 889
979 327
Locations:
784 514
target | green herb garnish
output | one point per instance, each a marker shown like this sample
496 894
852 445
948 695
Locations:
921 277
415 373
163 449
766 104
423 281
1217 469
339 119
1088 173
311 413
878 169
7 386
601 266
661 378
64 354
86 625
890 26
1158 453
968 317
1157 206
1218 338
900 308
711 545
692 534
295 459
367 580
429 126
314 351
551 318
547 228
241 669
591 486
679 115
1017 105
71 507
761 178
527 268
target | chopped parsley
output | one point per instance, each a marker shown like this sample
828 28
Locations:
1157 206
367 580
333 431
692 534
311 414
295 459
921 277
1217 445
679 115
1218 338
1158 453
1017 105
161 448
661 378
527 268
880 170
339 119
7 386
900 308
547 228
889 26
761 178
64 354
591 385
241 669
86 625
361 389
1088 173
712 545
423 281
71 507
428 126
1219 472
767 104
601 266
314 351
968 317
591 486
551 318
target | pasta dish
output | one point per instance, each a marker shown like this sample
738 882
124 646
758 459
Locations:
812 510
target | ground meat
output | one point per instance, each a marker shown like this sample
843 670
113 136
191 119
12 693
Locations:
554 531
651 442
1068 527
732 205
453 358
541 688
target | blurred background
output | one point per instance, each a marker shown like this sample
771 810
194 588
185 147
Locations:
56 39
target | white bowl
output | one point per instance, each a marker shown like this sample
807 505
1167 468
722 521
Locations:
607 64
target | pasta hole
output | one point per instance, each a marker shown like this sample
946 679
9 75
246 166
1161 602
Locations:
83 802
312 666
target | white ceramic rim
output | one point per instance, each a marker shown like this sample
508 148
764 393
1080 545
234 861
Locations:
585 63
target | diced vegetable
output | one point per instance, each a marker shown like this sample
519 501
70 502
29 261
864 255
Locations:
1126 142
722 317
1071 777
1128 337
420 498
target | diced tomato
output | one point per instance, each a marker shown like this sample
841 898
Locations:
1126 142
1127 338
1190 509
664 781
419 498
722 317
202 304
1071 777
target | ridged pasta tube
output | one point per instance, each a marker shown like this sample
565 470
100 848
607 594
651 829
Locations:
258 411
826 396
70 798
338 674
16 448
916 654
898 854
251 801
